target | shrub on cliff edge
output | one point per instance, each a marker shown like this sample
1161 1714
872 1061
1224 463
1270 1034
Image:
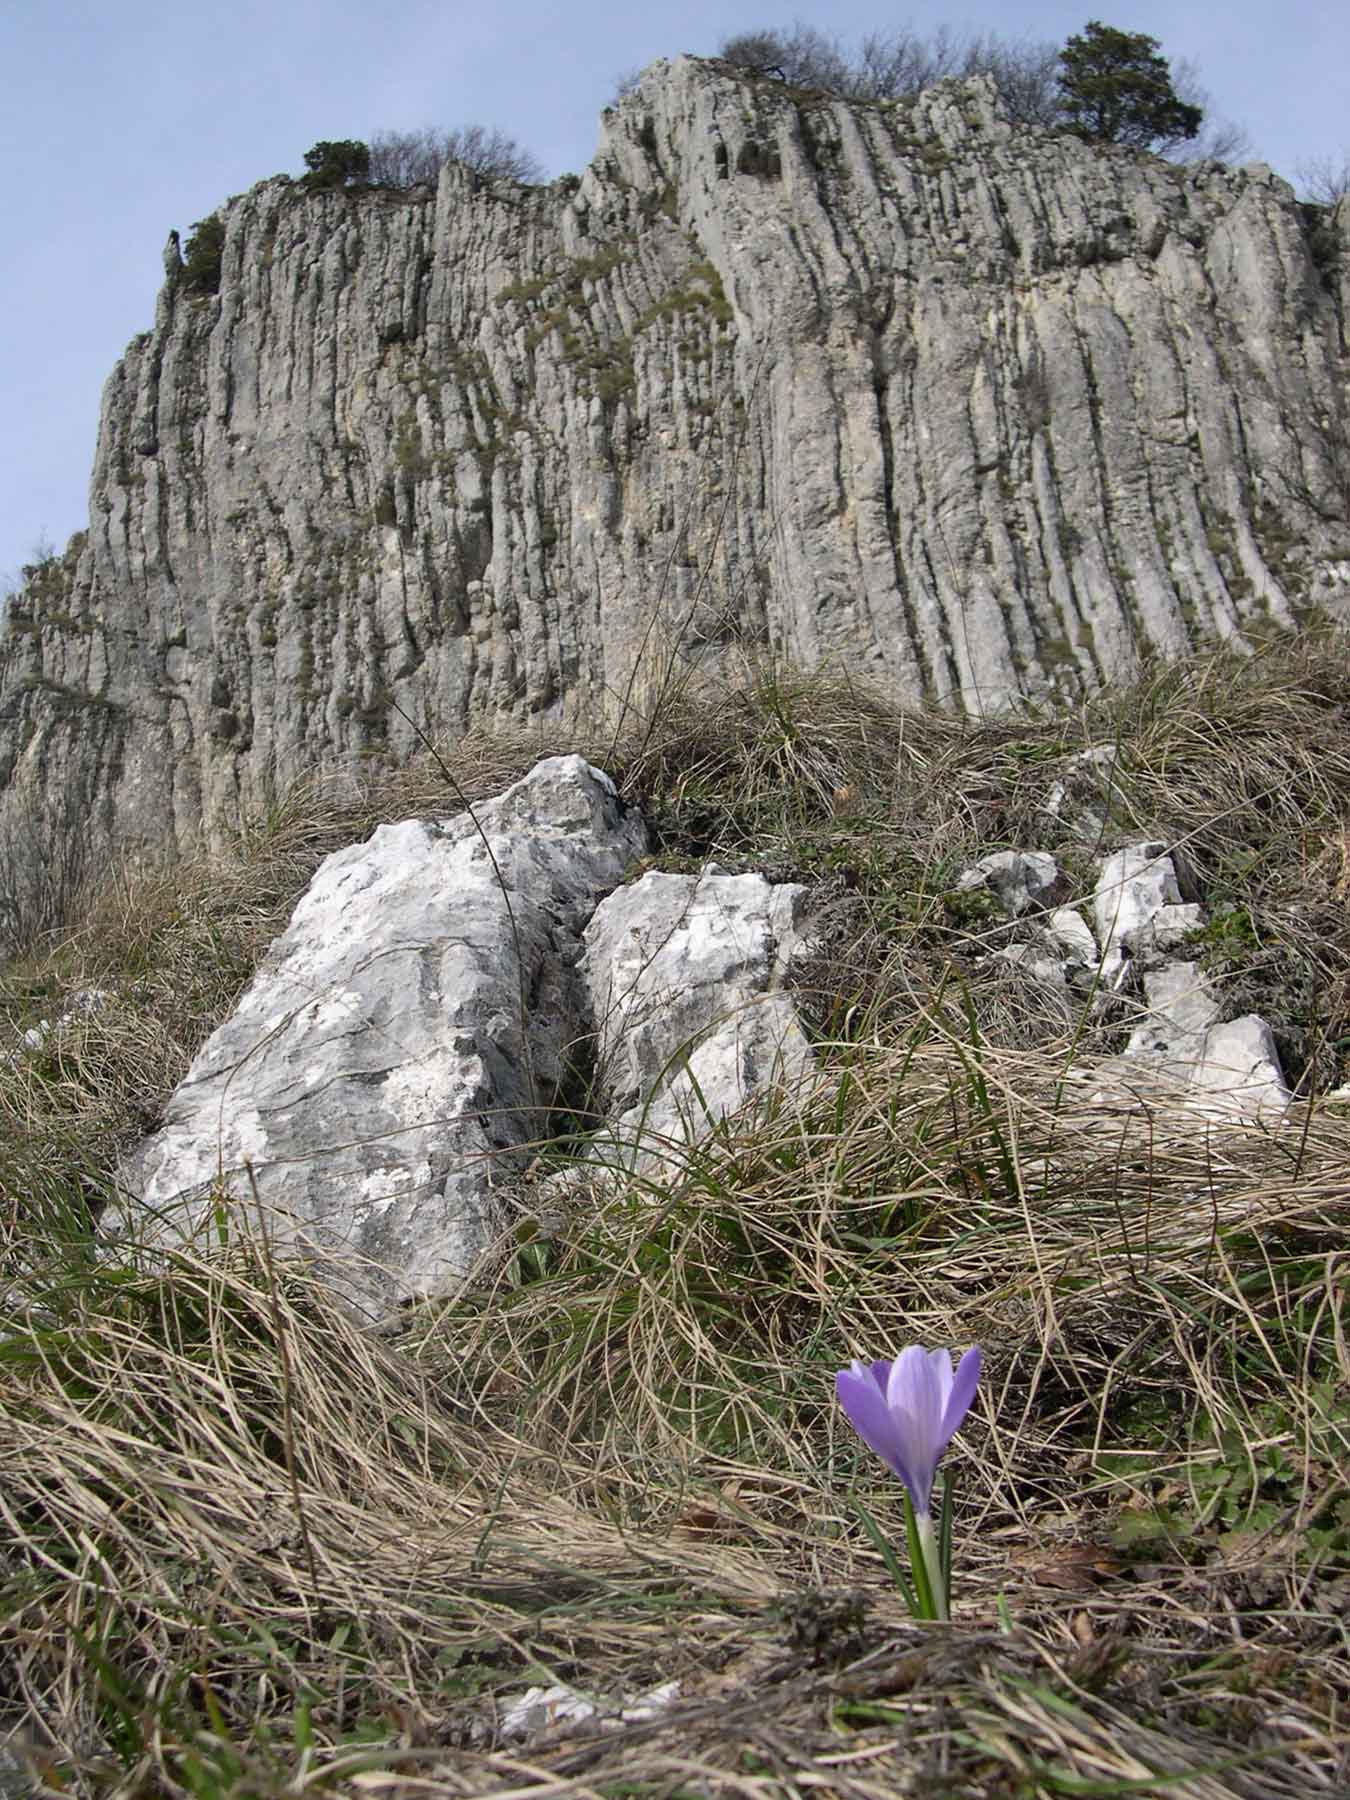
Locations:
1116 88
201 259
338 164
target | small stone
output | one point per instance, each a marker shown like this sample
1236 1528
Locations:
1018 879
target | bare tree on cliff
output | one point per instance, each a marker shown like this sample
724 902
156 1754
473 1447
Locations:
1029 75
1324 180
898 65
403 159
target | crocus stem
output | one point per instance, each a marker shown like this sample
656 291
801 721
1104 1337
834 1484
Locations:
932 1558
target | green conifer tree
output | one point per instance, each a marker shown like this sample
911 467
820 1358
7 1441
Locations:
337 164
1116 88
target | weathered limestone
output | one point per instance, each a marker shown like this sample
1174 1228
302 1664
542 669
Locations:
1181 1009
1240 1073
1018 879
684 977
976 411
439 992
1181 1049
398 1050
1071 934
1138 903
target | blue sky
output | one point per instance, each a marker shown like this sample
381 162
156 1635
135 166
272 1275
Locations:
123 121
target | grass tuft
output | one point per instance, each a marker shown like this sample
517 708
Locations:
247 1548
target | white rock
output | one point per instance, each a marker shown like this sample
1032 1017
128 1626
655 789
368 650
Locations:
397 1050
1183 1054
1018 879
1048 970
1181 1010
1069 932
685 975
400 1049
1168 929
1134 886
1239 1074
539 1709
1094 770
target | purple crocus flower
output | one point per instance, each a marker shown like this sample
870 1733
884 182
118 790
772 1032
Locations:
908 1411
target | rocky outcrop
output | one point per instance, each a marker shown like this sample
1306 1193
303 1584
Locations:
1180 1047
685 977
492 1014
404 1043
975 410
446 997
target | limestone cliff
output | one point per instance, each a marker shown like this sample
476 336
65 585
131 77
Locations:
974 410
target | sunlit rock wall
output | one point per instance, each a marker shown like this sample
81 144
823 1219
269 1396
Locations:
978 412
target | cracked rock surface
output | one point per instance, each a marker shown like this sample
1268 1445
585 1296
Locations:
401 1045
685 978
976 411
442 994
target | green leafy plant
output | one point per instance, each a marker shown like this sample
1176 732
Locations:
1228 939
1274 1476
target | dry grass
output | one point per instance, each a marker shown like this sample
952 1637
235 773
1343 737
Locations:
249 1549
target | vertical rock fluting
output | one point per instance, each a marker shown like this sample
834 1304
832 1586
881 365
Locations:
975 410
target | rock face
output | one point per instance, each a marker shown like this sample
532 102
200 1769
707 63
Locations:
442 992
975 410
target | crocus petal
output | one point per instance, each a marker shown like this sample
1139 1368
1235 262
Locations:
863 1401
915 1392
942 1374
962 1393
914 1399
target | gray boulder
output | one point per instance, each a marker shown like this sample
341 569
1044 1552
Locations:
400 1046
685 976
1071 935
1017 879
1064 954
440 993
1228 1068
